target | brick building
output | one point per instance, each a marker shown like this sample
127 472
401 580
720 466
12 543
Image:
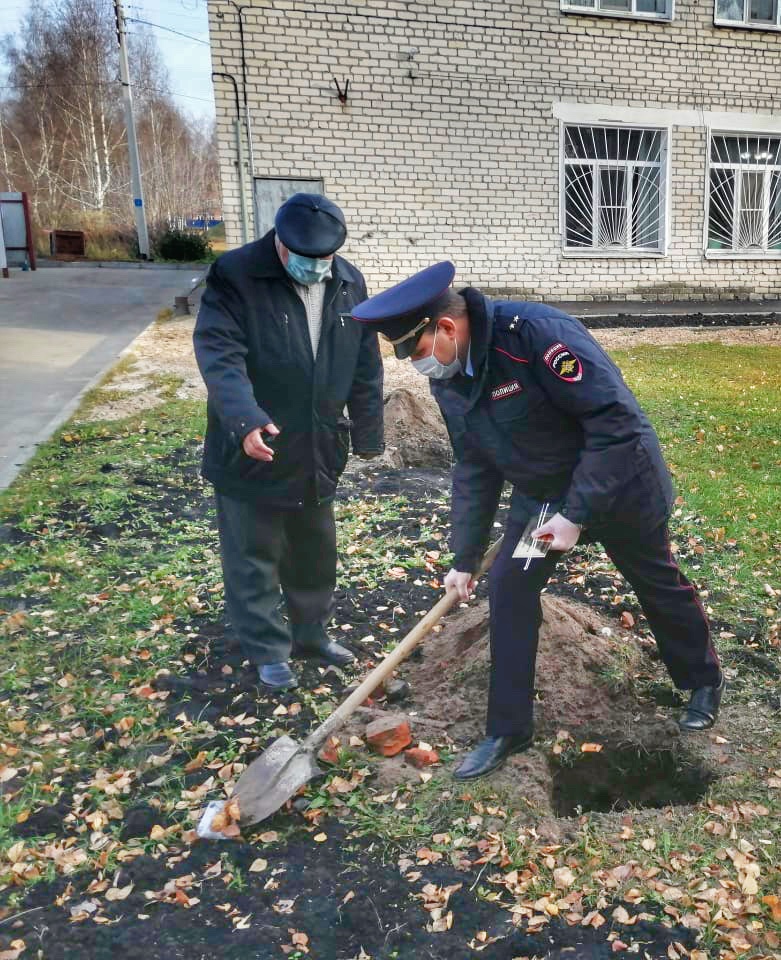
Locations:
556 149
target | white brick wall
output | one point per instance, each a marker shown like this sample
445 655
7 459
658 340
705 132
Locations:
455 153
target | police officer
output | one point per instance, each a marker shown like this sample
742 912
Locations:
282 358
529 397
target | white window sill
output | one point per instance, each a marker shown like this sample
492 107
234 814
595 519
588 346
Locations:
617 14
742 25
742 255
591 253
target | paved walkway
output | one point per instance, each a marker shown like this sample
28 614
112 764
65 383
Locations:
59 331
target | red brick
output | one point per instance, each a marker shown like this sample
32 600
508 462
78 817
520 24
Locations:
421 758
389 735
329 752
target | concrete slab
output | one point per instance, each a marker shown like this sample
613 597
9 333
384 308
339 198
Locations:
59 332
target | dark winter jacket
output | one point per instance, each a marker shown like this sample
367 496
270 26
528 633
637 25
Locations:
254 352
548 411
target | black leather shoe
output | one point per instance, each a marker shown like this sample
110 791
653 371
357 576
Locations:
703 708
331 652
490 754
277 676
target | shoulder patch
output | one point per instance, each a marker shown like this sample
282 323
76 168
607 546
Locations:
563 362
506 390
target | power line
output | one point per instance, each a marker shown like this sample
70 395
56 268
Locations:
100 83
159 26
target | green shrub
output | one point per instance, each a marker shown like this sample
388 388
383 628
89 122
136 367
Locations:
183 245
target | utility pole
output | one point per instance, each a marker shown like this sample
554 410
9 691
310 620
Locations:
132 143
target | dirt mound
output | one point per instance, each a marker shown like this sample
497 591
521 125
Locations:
577 651
584 696
415 435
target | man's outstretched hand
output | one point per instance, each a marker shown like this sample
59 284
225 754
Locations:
254 446
565 533
462 583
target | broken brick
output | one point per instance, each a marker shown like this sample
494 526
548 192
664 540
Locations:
421 758
329 752
389 735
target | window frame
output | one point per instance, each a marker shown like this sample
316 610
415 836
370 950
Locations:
632 253
745 23
573 7
732 254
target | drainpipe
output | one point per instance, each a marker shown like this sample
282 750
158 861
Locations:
240 157
247 118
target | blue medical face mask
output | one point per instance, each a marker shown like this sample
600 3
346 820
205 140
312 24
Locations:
307 270
431 367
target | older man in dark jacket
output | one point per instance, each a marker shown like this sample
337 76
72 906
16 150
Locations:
530 397
283 359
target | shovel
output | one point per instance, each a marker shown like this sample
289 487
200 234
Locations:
282 769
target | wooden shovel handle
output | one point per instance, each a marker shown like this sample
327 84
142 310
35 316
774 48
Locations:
399 653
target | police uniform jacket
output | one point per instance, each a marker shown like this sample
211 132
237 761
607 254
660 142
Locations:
548 411
254 351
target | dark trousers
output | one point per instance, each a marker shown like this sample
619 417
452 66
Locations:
669 603
263 549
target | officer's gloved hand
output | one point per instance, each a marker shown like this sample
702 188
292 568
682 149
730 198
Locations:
462 583
565 533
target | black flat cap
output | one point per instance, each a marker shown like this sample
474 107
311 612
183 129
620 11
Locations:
402 313
310 225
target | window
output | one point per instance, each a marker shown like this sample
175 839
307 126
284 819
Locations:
655 9
271 193
744 194
760 14
613 189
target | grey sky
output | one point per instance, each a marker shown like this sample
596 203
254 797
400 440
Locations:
188 62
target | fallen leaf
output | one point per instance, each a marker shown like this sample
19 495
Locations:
591 747
118 893
196 763
563 877
320 837
283 906
775 907
258 866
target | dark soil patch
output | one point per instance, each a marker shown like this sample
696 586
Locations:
641 321
341 893
622 777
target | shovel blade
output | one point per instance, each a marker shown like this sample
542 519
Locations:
273 778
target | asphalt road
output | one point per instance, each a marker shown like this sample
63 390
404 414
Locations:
60 329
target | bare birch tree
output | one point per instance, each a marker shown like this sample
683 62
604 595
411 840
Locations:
62 133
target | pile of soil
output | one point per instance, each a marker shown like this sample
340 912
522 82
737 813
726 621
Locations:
579 651
415 434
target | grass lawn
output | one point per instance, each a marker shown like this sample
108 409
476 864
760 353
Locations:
109 583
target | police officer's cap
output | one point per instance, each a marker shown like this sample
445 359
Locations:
402 313
310 225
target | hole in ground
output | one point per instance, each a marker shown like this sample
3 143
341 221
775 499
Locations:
623 777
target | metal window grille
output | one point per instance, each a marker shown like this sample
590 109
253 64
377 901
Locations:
744 197
639 8
613 188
